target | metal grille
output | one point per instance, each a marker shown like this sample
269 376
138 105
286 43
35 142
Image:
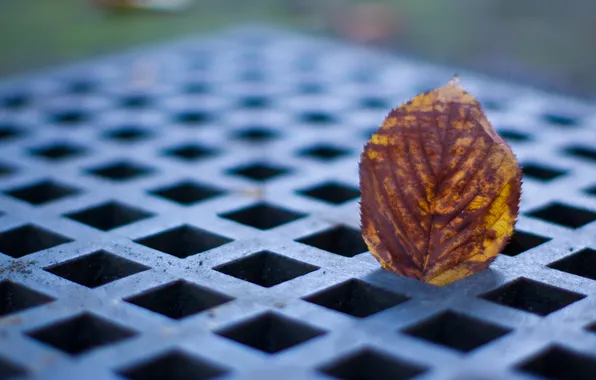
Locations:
191 211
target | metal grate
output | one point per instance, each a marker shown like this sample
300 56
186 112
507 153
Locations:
191 211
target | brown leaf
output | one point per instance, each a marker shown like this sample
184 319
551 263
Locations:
440 188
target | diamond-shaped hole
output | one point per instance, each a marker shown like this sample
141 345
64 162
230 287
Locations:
266 268
492 104
9 132
82 333
42 192
187 192
564 215
541 172
183 241
82 86
332 192
341 240
179 299
557 362
5 170
9 370
310 88
561 119
260 171
532 296
582 263
15 297
271 332
127 134
15 101
254 102
70 117
514 136
317 117
190 152
173 365
58 151
120 171
374 103
263 216
27 239
252 76
96 269
255 135
356 298
108 216
323 152
456 331
523 241
193 118
197 88
583 152
591 190
135 101
371 364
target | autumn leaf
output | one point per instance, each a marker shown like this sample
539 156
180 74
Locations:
440 188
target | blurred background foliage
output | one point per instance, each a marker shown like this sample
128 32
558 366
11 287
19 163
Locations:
546 43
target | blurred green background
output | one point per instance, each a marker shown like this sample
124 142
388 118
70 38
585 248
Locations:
546 43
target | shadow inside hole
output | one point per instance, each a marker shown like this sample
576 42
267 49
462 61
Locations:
540 172
193 118
332 192
187 193
15 101
179 299
256 135
260 172
271 333
121 171
109 215
183 241
58 151
521 242
583 152
15 298
79 334
370 364
558 362
561 119
263 216
190 152
80 87
70 117
340 240
28 239
356 298
42 192
10 370
96 269
514 136
173 365
456 331
135 101
266 268
323 152
564 215
254 102
317 118
532 296
582 263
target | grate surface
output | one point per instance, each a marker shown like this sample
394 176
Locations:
191 211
